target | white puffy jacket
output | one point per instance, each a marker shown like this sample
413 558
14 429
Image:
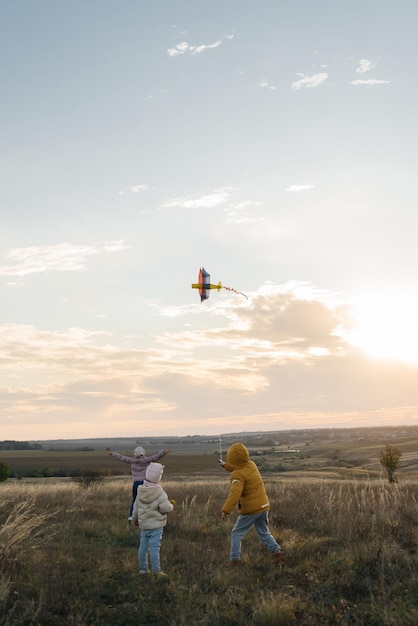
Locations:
151 507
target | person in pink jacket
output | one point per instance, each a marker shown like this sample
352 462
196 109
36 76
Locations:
139 463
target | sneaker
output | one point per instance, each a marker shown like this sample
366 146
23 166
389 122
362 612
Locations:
278 558
143 571
236 563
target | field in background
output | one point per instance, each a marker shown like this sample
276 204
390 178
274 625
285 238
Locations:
326 453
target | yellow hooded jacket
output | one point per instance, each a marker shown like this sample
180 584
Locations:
247 486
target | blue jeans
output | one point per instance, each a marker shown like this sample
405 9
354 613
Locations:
135 486
260 521
150 541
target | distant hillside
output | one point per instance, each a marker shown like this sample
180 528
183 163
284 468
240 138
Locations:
378 435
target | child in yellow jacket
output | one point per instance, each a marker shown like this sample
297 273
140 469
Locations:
249 493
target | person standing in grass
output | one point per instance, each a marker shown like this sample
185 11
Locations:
150 514
249 493
139 463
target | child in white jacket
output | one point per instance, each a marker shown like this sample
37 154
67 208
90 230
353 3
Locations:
150 514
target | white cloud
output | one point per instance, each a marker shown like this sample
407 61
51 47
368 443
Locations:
202 48
64 257
300 187
138 188
185 48
179 49
243 212
265 84
216 198
237 212
369 81
365 66
310 81
134 189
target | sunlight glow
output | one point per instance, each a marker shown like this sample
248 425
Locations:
386 326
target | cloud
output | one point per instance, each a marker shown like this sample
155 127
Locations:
179 49
369 82
212 200
294 320
185 48
138 188
243 212
296 188
264 84
365 66
65 257
310 81
285 349
134 189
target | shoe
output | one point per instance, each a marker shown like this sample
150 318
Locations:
160 574
143 571
236 563
279 558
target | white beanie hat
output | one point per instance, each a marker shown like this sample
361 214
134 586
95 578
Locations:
139 451
154 472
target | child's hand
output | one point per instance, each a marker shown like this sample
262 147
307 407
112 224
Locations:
221 462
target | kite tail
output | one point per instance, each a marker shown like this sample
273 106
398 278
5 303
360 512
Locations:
235 291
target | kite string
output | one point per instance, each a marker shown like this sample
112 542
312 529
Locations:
235 291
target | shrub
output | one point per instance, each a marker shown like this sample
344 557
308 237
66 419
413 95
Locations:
87 477
389 458
4 471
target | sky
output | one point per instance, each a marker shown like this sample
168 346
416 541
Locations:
273 143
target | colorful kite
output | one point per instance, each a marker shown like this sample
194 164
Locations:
204 285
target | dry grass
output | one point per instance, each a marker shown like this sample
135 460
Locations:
68 557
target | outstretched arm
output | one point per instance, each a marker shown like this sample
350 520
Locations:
121 457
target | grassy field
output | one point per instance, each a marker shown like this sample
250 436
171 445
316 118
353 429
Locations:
41 463
68 557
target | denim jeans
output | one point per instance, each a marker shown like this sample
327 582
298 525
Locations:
260 521
150 542
135 486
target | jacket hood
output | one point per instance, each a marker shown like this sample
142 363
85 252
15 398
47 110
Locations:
146 495
237 455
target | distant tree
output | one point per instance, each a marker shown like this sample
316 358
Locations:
4 471
389 458
19 445
87 477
